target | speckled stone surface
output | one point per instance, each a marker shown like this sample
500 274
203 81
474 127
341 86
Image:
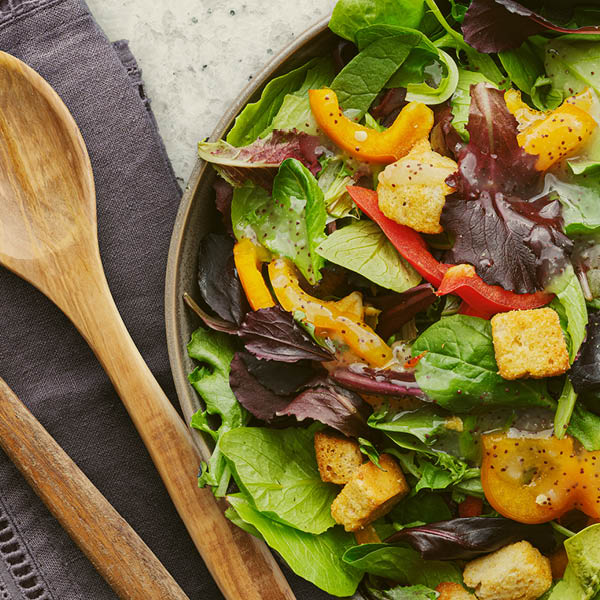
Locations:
197 55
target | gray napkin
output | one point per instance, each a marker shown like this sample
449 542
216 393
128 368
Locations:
44 359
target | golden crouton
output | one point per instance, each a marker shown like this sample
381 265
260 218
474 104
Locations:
453 591
412 191
367 535
516 572
338 458
370 494
529 343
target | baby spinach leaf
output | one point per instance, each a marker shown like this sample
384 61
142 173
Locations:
316 558
461 99
568 291
412 592
256 117
362 247
291 223
350 16
214 351
383 50
401 564
277 469
466 538
425 507
460 373
259 161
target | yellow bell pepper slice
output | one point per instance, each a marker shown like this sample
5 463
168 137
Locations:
412 124
248 265
332 319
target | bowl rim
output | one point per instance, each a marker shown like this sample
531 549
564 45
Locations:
173 302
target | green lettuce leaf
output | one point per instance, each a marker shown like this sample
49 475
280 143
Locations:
277 469
257 116
401 564
291 223
585 427
316 558
362 247
383 50
413 592
459 370
350 16
335 176
214 350
579 201
524 65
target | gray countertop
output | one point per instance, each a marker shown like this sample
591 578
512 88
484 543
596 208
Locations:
197 55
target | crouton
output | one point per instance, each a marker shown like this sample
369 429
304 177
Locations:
412 191
338 458
529 343
453 591
516 572
370 494
367 535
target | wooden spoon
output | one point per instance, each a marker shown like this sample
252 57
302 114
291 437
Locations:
48 236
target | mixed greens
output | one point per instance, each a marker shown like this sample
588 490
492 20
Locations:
408 274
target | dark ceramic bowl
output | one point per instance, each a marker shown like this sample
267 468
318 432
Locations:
197 216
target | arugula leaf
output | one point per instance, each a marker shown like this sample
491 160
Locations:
316 558
277 469
383 50
413 592
257 116
568 290
259 161
290 224
401 564
362 247
350 16
214 350
459 370
461 99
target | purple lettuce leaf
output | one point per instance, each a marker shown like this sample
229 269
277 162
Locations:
493 161
466 538
252 394
511 242
273 334
382 382
495 25
405 306
282 379
219 284
209 320
260 161
388 104
515 244
331 404
223 199
585 372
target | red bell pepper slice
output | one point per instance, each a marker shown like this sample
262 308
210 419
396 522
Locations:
406 240
482 300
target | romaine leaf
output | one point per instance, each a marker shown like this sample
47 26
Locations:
461 99
350 16
218 282
459 370
383 50
496 25
277 469
316 558
257 116
273 334
466 538
362 247
260 161
423 92
214 350
401 564
291 223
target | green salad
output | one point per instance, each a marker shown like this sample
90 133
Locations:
399 357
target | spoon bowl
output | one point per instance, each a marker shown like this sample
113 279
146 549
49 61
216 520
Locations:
48 236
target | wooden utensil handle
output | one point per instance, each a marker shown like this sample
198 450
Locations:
113 547
242 566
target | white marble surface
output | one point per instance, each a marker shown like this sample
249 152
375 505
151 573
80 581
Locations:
197 55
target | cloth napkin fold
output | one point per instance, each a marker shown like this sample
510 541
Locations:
44 359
